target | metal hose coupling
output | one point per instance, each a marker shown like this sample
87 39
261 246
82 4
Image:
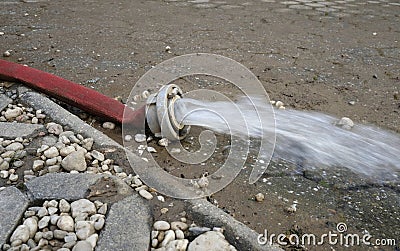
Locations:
160 114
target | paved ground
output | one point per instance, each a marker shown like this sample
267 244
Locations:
338 57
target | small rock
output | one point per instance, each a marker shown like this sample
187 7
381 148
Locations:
66 223
163 142
54 219
32 225
175 225
161 225
203 182
128 138
35 120
15 146
20 233
44 222
87 143
82 246
164 210
53 168
84 229
99 223
151 149
178 245
352 102
140 138
42 212
210 241
13 113
108 125
37 165
97 155
13 177
199 230
279 104
4 174
145 194
82 206
64 206
7 53
93 240
260 197
291 209
52 210
179 234
154 243
103 209
51 152
169 236
54 128
60 234
346 123
75 161
70 237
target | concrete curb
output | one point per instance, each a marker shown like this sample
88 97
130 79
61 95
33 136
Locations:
199 209
13 204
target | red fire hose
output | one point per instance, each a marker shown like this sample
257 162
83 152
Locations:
71 93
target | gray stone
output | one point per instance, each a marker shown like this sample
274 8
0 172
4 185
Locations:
60 234
97 155
99 223
51 152
37 165
32 225
117 233
75 161
82 206
13 130
64 206
44 222
15 146
84 229
61 186
4 101
179 225
67 150
70 237
169 236
161 225
54 128
4 165
93 240
210 240
87 143
50 140
82 246
13 113
177 245
21 233
12 206
66 223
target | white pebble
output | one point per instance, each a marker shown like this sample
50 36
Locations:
260 197
145 194
163 142
161 225
140 138
108 125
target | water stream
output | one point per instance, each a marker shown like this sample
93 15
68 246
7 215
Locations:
301 136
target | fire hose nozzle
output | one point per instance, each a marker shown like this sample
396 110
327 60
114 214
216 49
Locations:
160 113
